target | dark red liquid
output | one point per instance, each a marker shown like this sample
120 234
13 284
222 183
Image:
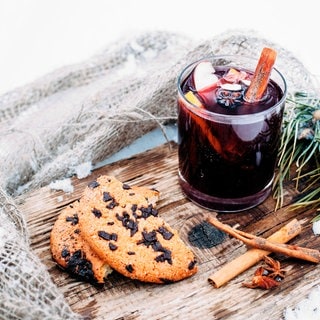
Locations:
223 160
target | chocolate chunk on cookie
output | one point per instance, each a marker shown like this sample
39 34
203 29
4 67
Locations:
122 226
71 252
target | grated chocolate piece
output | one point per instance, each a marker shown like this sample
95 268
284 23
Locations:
192 264
128 223
93 184
147 212
107 236
129 268
106 196
165 256
149 238
112 204
79 266
113 246
74 219
97 213
65 253
166 234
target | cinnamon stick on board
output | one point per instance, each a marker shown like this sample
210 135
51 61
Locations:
311 255
261 75
252 256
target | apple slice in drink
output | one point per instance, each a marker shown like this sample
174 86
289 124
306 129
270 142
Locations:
204 76
205 80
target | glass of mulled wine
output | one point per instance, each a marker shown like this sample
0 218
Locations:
228 146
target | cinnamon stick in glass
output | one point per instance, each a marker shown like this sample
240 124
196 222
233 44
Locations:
261 75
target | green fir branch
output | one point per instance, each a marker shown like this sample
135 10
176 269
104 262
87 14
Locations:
300 147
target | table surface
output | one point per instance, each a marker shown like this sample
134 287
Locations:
192 298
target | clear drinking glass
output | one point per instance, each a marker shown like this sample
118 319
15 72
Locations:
227 153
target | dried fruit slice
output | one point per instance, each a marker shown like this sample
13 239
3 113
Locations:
191 97
235 76
232 75
204 77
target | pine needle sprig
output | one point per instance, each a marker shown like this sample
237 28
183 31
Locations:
300 147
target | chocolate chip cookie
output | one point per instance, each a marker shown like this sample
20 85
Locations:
71 252
122 226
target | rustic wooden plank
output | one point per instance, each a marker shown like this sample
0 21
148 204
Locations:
122 298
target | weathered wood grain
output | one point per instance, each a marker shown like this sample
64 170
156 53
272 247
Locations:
193 298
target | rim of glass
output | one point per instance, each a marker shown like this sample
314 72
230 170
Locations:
229 116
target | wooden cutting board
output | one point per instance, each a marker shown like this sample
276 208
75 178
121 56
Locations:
193 298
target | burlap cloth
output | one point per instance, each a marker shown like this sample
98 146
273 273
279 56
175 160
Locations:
85 113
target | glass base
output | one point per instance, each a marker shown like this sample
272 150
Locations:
224 204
